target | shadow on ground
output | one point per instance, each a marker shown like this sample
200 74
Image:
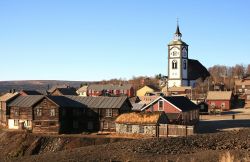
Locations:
213 126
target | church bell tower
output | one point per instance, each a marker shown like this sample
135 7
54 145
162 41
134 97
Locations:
177 61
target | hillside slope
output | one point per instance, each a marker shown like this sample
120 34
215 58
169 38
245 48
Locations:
222 146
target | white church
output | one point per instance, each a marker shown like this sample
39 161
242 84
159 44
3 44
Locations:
182 71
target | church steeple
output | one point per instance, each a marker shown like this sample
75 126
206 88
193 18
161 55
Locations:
177 34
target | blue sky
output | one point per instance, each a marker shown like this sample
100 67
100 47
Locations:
104 39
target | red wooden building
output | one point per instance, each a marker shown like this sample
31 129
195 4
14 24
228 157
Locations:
110 90
179 109
219 101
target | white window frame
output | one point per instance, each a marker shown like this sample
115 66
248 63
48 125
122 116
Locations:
162 109
16 122
39 111
53 112
109 113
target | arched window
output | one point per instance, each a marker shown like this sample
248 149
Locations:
184 64
174 64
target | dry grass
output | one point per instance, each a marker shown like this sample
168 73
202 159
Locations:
139 118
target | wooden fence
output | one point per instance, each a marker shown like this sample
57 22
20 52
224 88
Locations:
166 130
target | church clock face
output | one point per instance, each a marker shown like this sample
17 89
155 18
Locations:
184 52
174 52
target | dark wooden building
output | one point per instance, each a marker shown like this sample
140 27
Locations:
105 110
21 111
58 114
111 90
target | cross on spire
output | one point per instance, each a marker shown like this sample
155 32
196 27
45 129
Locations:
178 34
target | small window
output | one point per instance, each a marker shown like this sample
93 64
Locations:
223 105
141 129
39 112
52 112
174 64
160 105
28 123
16 122
129 128
184 64
108 112
16 112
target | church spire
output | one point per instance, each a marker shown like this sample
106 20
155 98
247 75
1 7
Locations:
177 34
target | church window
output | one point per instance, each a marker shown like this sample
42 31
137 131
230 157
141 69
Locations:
174 64
184 65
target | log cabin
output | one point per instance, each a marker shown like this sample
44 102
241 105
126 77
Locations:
21 111
105 110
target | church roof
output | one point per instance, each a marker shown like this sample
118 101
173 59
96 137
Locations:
196 70
178 30
177 42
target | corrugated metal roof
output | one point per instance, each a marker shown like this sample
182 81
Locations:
137 106
63 101
100 102
26 101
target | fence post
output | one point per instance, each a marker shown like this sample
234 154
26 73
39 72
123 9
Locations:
167 130
186 130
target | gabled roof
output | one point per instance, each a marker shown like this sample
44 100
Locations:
138 106
139 118
63 101
101 101
8 96
100 87
31 92
219 95
52 89
196 70
179 102
82 89
66 91
179 89
26 101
